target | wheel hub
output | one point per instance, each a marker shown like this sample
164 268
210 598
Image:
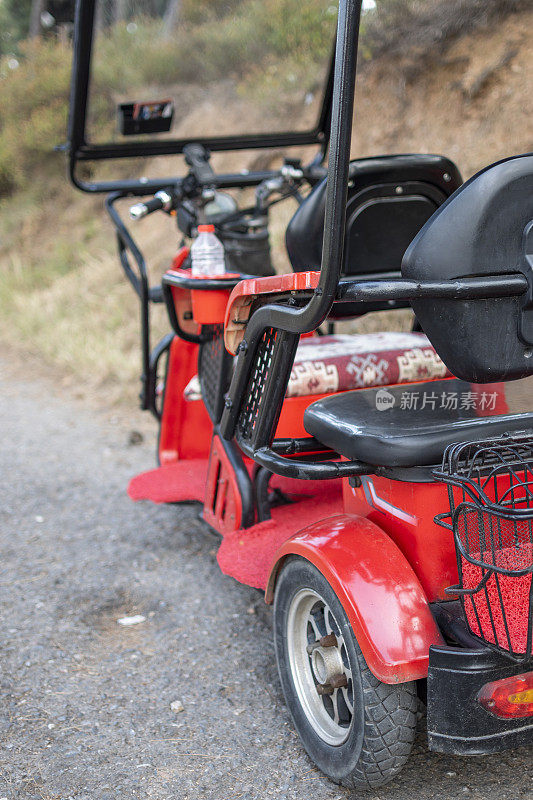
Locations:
327 664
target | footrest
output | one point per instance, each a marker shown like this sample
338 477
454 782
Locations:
172 483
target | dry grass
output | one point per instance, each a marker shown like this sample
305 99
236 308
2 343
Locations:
416 33
68 302
474 105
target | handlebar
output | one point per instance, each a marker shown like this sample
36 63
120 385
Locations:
197 157
168 199
286 182
202 181
160 201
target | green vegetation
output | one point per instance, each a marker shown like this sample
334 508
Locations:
267 47
33 112
260 31
61 290
14 19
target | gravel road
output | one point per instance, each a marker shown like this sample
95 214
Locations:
85 703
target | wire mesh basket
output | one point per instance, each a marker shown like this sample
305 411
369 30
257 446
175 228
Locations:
490 491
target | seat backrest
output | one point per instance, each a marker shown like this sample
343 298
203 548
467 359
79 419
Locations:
389 199
484 230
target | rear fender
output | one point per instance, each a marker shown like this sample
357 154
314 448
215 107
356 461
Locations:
379 591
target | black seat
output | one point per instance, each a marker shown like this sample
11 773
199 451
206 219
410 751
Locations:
389 200
381 427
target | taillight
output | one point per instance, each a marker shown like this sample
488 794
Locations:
511 697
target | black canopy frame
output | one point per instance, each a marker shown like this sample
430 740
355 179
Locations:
81 149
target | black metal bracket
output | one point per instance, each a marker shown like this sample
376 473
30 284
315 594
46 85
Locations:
127 249
156 355
525 323
243 479
306 469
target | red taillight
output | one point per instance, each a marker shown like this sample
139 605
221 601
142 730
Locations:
510 697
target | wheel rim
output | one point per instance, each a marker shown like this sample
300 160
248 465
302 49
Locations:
315 668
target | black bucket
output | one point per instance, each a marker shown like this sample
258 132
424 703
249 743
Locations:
247 249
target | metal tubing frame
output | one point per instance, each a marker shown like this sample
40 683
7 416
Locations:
508 285
142 187
193 338
277 457
307 469
141 285
159 350
308 318
242 477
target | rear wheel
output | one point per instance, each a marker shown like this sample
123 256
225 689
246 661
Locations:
358 730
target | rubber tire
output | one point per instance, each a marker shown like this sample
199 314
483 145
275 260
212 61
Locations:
382 733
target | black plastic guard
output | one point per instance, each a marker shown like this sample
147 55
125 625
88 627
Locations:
456 722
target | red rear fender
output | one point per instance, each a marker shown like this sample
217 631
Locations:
377 588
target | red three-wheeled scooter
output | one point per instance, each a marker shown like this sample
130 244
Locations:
377 487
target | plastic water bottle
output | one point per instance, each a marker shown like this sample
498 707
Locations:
207 253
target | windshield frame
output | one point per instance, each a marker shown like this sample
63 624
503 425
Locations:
82 150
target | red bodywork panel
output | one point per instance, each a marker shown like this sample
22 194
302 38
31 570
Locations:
208 307
222 503
384 557
248 291
186 428
378 589
405 511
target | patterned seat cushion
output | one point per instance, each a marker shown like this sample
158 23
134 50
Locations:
329 364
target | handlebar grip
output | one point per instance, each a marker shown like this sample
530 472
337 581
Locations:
160 200
140 210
